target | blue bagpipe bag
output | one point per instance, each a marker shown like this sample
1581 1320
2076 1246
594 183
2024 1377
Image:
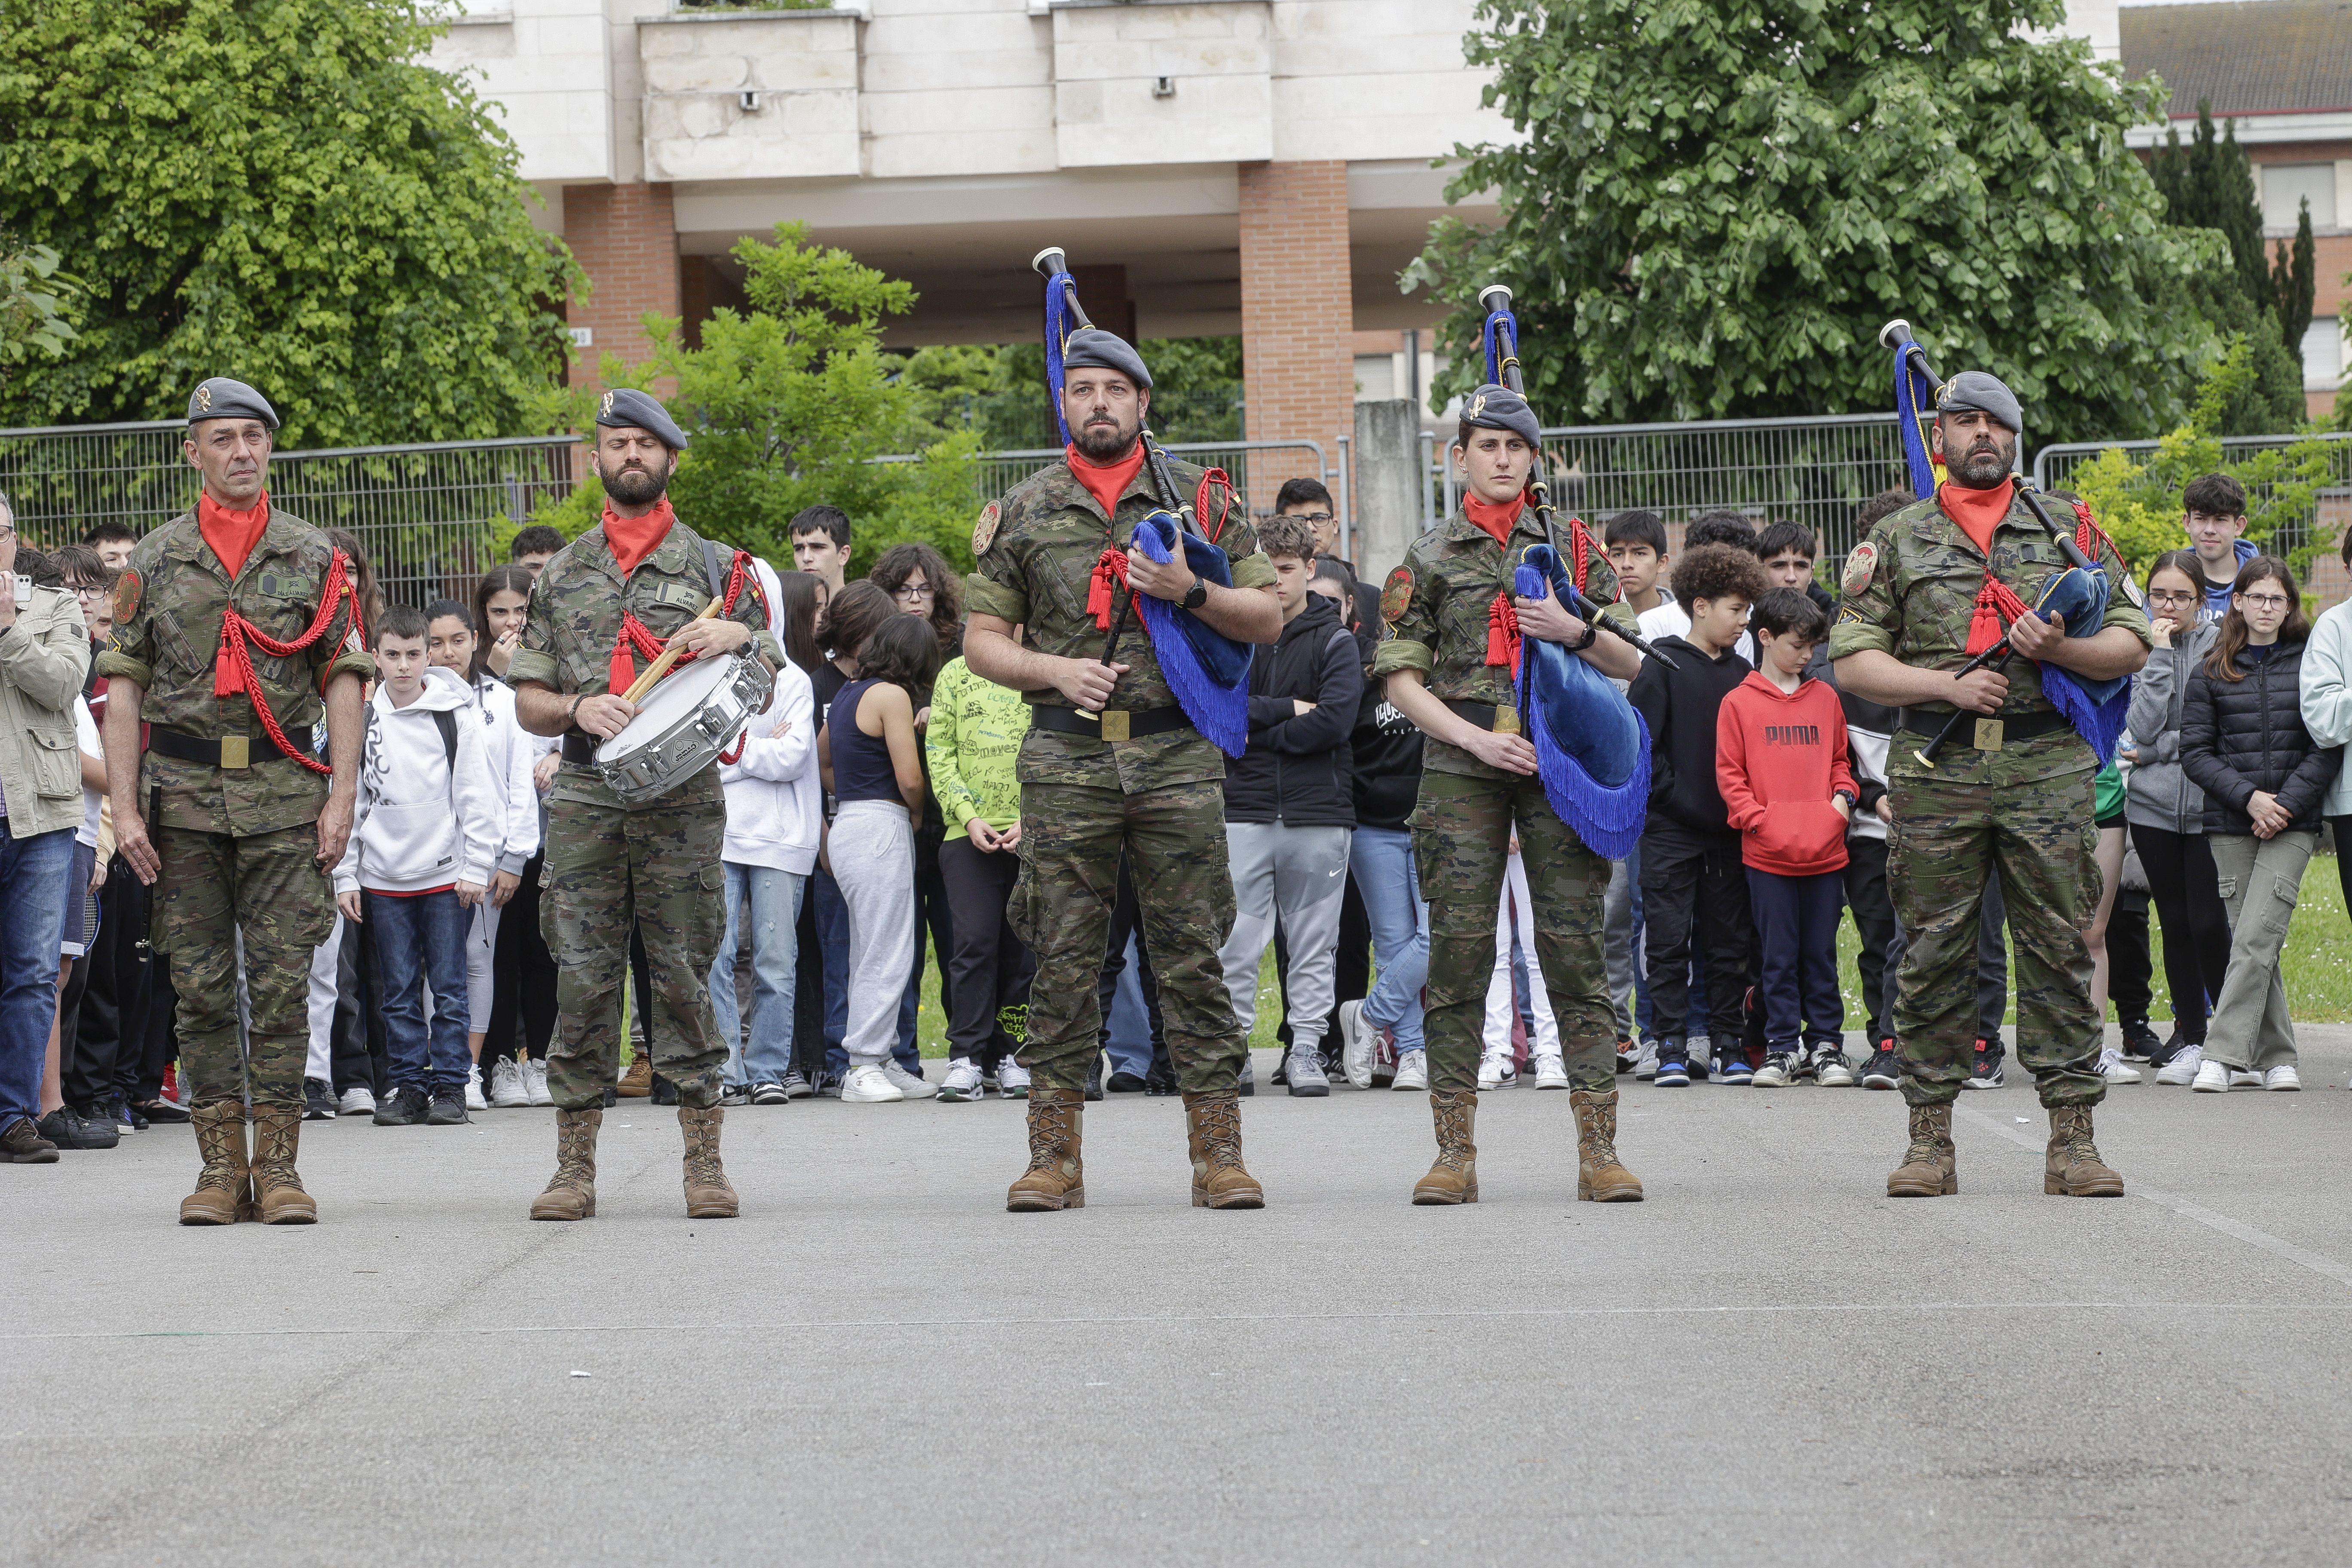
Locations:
1592 749
1207 670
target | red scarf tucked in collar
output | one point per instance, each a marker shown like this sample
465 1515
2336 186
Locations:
634 538
1498 517
1978 512
1106 481
232 534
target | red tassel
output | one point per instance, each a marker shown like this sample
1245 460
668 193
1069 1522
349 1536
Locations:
227 679
1110 568
1503 632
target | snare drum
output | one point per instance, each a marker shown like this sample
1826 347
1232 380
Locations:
687 719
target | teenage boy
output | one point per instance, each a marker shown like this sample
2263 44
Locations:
1636 543
1290 813
1637 548
821 547
1781 763
534 547
2213 514
1786 549
113 540
421 853
1691 868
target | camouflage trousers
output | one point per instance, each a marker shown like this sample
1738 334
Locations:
269 888
2025 811
657 868
1174 836
1461 843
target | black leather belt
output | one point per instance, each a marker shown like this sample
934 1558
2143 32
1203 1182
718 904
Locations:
1987 728
1115 725
227 751
580 748
1486 716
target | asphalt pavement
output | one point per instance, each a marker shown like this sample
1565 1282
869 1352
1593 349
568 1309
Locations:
1767 1361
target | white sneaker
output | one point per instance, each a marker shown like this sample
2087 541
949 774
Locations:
908 1086
358 1100
2241 1078
1645 1065
2212 1078
507 1085
1011 1079
869 1085
1413 1070
2182 1068
2115 1069
963 1082
1490 1071
534 1078
2282 1080
1778 1071
474 1100
1355 1046
1829 1070
1551 1072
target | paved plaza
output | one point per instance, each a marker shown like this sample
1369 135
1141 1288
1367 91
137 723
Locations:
1768 1361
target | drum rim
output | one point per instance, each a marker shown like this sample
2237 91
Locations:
726 666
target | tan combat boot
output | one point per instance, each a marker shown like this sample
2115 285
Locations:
709 1194
638 1081
1054 1179
1219 1180
571 1191
1454 1178
2074 1167
1598 1177
1930 1168
224 1192
278 1194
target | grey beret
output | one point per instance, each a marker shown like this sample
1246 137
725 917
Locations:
1499 408
1972 391
1092 348
221 398
625 408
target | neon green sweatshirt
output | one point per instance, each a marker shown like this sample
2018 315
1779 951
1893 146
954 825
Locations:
973 740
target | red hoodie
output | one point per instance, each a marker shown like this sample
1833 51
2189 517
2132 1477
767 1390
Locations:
1778 757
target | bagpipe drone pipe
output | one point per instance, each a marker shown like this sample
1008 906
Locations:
1208 671
2078 595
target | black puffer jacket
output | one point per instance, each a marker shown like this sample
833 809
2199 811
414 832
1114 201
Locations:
2240 736
1298 767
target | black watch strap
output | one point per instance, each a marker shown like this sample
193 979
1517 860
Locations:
1198 594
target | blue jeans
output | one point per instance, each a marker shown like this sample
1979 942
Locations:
1797 926
423 938
776 899
1381 858
32 923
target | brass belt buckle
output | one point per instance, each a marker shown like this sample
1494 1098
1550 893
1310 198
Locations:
1115 725
1507 719
237 752
1987 734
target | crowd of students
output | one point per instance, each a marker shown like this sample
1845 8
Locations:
873 805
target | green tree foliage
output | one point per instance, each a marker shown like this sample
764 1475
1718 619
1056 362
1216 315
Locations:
787 406
2295 283
36 304
1715 203
277 189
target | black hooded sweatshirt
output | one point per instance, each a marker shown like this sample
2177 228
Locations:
1298 767
1679 706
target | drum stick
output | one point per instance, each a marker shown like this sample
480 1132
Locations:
669 656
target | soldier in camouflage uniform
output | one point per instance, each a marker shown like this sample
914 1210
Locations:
2011 793
1140 777
1478 780
610 865
242 835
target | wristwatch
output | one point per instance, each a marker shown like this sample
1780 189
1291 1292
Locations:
1591 636
571 714
1196 595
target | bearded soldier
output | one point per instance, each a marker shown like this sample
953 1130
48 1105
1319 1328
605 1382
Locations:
235 627
620 594
2014 793
1111 761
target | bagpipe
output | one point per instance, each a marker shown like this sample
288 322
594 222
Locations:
1208 671
1592 749
2079 594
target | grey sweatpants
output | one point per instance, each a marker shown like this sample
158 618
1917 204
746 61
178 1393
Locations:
872 846
1301 872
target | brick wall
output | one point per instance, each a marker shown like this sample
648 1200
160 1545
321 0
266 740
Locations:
1297 315
625 239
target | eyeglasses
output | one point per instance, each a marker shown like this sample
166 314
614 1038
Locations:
1312 519
2165 596
913 590
2264 601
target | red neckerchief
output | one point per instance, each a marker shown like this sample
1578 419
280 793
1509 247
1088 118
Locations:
632 538
1978 512
232 534
1496 517
1105 482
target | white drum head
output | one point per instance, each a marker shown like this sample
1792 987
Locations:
673 697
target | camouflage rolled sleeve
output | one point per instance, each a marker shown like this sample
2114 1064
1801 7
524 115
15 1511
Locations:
536 659
131 653
1408 624
997 584
1866 609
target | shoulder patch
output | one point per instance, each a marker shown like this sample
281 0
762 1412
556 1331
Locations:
127 591
983 531
1397 597
1860 567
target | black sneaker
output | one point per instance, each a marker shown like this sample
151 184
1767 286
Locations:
318 1101
406 1106
665 1091
1160 1081
612 1096
448 1105
769 1094
1986 1072
795 1086
1883 1071
68 1128
22 1144
127 1113
1125 1083
1094 1078
735 1094
2141 1044
162 1109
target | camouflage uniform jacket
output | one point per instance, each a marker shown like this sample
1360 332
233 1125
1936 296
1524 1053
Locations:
1036 550
1433 613
1910 589
575 618
167 631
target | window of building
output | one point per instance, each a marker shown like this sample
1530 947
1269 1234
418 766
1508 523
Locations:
2323 354
2287 187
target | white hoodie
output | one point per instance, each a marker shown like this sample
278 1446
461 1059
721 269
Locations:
510 754
775 804
417 826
